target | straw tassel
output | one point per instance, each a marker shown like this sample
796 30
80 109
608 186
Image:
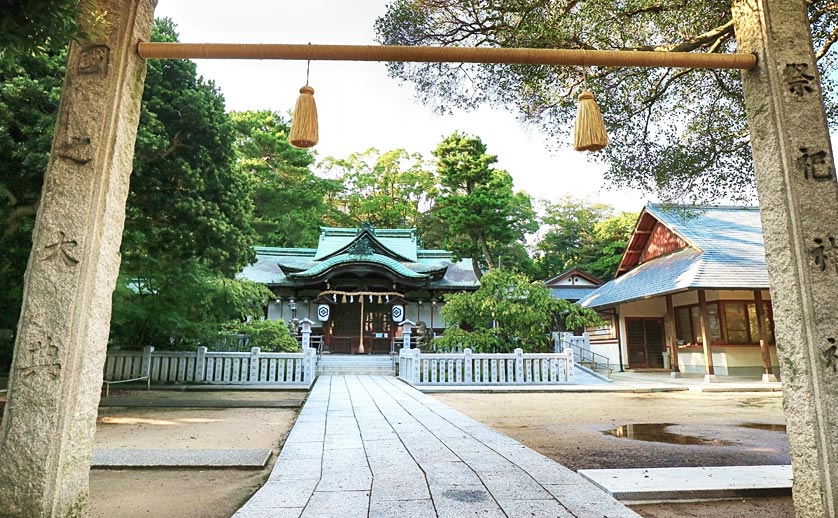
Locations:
589 133
304 124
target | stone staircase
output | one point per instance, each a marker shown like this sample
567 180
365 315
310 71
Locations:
343 364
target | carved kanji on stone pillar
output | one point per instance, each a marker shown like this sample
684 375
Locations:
46 437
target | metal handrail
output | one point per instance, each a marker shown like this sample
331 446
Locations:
589 356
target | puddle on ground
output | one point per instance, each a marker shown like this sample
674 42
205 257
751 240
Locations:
765 426
656 432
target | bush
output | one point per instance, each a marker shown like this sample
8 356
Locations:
270 336
479 341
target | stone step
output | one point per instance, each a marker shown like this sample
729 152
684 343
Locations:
355 362
355 371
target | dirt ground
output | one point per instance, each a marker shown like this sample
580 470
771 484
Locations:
185 493
731 429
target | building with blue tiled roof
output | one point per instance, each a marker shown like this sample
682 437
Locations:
690 277
359 283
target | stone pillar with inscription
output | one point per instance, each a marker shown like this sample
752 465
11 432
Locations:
798 197
46 436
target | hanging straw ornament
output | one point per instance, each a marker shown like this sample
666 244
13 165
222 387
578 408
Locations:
589 133
304 122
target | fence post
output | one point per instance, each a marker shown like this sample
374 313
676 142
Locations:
253 375
519 365
201 364
586 340
417 377
310 364
469 365
571 376
145 364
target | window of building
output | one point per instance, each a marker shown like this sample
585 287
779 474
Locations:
736 323
688 324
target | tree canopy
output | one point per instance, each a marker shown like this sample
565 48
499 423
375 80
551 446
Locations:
186 198
506 312
679 133
29 93
481 214
30 27
290 201
390 190
577 233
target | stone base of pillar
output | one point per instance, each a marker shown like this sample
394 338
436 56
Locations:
769 378
710 378
676 374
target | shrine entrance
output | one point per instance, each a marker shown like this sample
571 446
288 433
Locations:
352 322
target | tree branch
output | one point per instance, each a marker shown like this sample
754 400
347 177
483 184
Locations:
700 41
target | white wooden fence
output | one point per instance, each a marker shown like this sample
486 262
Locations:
218 368
466 368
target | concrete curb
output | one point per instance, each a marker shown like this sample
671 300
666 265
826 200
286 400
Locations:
139 402
180 458
666 484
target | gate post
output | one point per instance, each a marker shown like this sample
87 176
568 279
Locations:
798 194
46 437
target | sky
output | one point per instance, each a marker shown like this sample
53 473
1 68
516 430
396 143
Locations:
359 106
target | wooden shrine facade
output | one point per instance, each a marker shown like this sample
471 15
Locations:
359 284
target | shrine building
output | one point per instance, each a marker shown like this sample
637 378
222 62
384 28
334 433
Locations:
690 276
359 284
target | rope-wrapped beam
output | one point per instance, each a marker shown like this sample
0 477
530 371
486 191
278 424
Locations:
522 56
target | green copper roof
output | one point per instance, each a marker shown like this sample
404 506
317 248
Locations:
393 250
398 242
378 259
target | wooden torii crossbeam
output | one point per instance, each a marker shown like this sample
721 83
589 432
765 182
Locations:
521 56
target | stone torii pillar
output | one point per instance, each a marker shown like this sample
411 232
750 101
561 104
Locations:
46 436
798 196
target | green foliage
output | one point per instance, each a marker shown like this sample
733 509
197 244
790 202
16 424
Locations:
186 199
29 93
31 27
388 190
181 306
507 312
290 202
680 133
270 336
481 216
582 235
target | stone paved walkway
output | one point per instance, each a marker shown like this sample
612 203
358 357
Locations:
372 446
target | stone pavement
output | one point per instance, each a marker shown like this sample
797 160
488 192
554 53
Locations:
372 446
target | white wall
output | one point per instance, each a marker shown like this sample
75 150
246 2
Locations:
727 360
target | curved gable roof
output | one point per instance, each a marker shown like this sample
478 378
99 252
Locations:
383 261
400 244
